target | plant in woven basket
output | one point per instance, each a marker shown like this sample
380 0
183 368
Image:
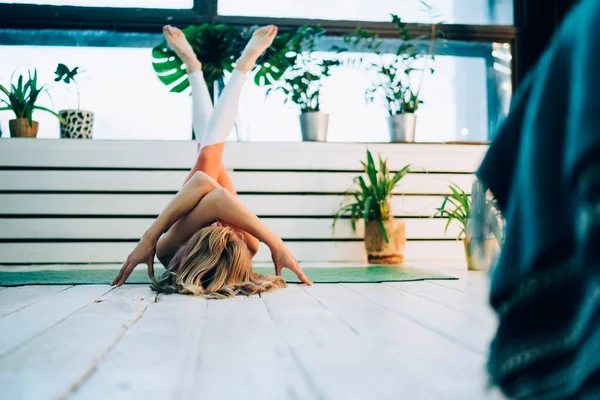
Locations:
23 96
217 47
371 199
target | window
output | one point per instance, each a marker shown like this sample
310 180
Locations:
118 85
477 12
465 99
171 4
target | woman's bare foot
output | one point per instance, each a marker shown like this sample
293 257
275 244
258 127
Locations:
178 42
260 41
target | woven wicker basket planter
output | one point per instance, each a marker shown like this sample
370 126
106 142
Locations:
380 252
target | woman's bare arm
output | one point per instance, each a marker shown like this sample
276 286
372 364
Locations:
225 207
184 201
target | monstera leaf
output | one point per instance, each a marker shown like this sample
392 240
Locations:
212 45
217 47
276 60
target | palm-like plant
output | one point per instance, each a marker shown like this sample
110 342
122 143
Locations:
22 98
371 201
457 207
394 84
302 83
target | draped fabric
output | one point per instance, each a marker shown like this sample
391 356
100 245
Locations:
543 168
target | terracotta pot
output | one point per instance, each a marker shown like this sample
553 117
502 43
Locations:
380 252
80 124
20 128
473 264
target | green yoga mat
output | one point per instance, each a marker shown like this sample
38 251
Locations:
374 274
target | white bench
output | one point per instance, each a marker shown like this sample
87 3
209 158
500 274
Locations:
70 201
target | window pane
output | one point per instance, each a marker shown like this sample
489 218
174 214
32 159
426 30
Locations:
477 12
118 85
464 100
170 4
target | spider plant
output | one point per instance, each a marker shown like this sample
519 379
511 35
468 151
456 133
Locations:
21 98
457 207
371 200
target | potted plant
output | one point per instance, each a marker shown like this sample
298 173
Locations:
393 84
21 99
385 236
302 83
458 207
79 122
217 47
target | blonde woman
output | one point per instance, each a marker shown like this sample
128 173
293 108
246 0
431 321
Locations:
205 236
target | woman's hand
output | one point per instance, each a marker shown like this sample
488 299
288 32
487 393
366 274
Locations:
142 254
283 258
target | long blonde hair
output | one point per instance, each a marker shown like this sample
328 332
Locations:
215 263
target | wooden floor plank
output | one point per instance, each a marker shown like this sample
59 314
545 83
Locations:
15 298
156 357
341 363
55 361
418 352
474 283
448 297
457 326
19 327
240 332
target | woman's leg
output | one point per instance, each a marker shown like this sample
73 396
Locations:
223 118
202 107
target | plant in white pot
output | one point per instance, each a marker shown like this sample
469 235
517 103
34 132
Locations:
385 236
458 208
303 81
80 123
22 99
393 84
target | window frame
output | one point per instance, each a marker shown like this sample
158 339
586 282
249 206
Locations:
33 16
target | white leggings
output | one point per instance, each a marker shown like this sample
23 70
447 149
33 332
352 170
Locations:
212 127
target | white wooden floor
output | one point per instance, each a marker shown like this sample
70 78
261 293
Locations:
410 340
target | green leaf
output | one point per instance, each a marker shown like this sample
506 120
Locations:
383 231
367 208
61 119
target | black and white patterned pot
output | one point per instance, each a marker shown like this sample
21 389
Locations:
79 124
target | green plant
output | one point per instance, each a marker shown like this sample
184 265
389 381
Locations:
371 201
217 47
22 98
393 84
302 83
66 75
457 207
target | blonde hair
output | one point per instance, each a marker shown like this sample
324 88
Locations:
215 263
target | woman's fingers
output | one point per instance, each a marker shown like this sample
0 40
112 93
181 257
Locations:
300 274
151 269
118 278
126 272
